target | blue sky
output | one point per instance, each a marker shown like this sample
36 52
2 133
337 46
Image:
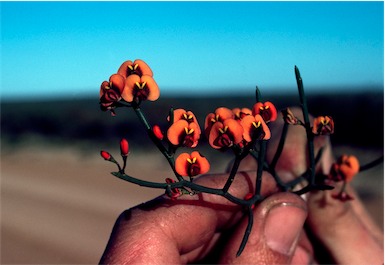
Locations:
54 49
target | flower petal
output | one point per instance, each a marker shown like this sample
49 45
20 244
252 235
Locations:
175 132
204 164
138 67
128 92
153 89
117 82
144 68
267 110
181 164
255 126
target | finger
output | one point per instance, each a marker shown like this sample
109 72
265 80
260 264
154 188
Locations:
179 231
344 229
278 223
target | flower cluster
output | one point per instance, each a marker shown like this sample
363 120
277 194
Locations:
132 83
245 131
225 128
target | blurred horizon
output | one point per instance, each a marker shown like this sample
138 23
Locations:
210 93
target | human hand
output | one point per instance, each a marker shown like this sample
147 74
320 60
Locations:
208 228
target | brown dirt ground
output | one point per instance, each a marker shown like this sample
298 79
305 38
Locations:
58 205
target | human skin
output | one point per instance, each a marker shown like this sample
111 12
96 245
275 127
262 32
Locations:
287 229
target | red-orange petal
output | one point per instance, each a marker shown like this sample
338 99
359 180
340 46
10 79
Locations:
267 110
181 164
224 113
239 113
153 89
123 69
105 85
323 125
192 164
144 68
249 124
350 167
128 92
204 164
225 134
175 131
138 67
235 129
117 81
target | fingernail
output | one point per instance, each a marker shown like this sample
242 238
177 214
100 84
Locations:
283 225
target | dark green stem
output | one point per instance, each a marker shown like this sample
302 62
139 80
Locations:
233 172
372 164
247 232
309 134
156 141
185 184
258 97
261 160
280 146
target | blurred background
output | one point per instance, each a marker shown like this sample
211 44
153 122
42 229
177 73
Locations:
58 200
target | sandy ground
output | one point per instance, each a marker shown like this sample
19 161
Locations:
58 205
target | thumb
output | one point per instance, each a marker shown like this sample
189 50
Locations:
278 223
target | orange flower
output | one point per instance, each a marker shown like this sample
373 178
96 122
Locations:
182 133
241 113
289 117
323 125
191 165
138 67
221 114
267 110
110 92
254 127
140 88
225 134
181 114
344 169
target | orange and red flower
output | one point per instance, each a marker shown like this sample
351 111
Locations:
267 111
138 67
181 114
221 114
191 165
111 92
254 127
240 113
182 133
140 88
225 134
344 169
323 125
289 117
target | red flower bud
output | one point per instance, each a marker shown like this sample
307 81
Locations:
173 193
105 155
124 147
249 196
157 132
